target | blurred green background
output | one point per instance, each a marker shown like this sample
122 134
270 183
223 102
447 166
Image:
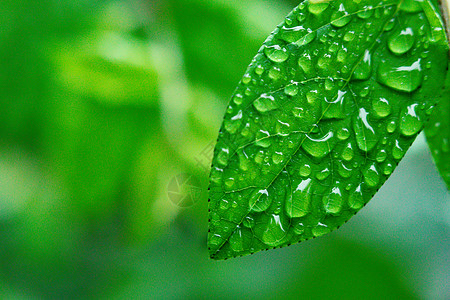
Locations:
103 102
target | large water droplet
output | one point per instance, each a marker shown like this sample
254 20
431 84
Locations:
260 200
320 229
371 175
276 53
275 232
298 202
341 17
234 123
305 63
318 147
410 121
355 199
316 7
366 136
236 240
366 13
347 153
333 202
381 107
364 69
404 78
335 108
402 41
265 103
305 170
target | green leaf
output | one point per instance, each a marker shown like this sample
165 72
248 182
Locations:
322 116
437 131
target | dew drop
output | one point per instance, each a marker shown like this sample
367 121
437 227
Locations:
402 41
335 108
260 201
265 103
366 136
355 199
371 176
347 153
305 170
404 78
320 229
294 34
349 36
366 13
333 202
322 175
249 222
259 70
343 134
276 53
224 204
410 123
236 240
234 124
388 168
381 107
277 157
316 7
397 151
298 202
391 126
222 157
341 17
318 147
298 228
305 63
364 69
381 156
312 96
291 89
275 232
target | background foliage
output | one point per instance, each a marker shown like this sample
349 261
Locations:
103 102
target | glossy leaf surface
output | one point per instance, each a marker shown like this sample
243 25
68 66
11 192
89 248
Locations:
322 116
438 134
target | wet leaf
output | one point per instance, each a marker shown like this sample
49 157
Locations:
322 116
438 133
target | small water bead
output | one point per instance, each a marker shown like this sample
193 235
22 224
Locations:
277 157
275 73
364 69
318 147
259 157
298 112
371 175
402 78
366 13
388 168
349 36
391 126
316 7
237 99
355 199
224 204
215 240
342 55
234 204
329 84
333 202
276 54
249 222
343 134
234 124
229 183
305 170
324 61
260 201
320 229
291 89
364 92
246 79
236 240
381 156
223 156
336 107
259 70
411 6
265 103
366 136
322 175
301 17
293 34
402 41
410 123
275 232
312 96
347 153
244 161
308 38
344 171
216 175
298 202
390 25
381 107
305 63
397 150
341 17
298 228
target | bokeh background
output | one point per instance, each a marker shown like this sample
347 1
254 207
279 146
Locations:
103 103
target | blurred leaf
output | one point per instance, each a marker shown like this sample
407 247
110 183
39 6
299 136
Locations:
438 133
323 115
